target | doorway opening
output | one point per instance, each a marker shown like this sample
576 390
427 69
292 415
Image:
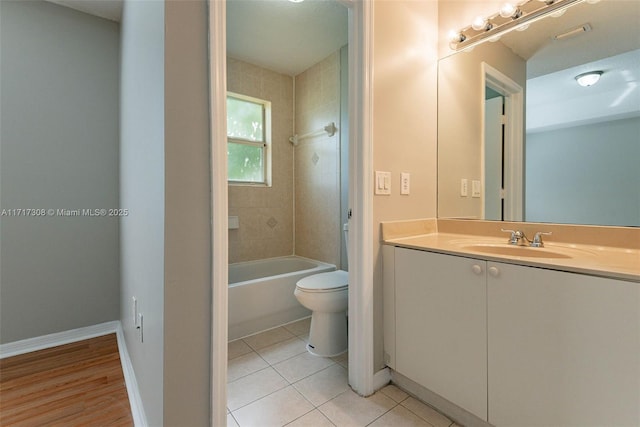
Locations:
506 198
361 375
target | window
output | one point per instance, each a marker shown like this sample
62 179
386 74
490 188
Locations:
248 140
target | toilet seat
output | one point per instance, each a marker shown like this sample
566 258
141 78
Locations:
332 281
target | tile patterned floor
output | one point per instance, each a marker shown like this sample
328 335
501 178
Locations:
274 382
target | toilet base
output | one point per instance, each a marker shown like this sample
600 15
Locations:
328 334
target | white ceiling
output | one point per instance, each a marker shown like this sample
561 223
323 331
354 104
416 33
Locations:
554 99
283 36
276 34
615 29
290 37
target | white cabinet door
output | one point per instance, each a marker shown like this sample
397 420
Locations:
441 335
564 349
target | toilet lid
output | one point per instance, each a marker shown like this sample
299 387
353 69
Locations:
333 280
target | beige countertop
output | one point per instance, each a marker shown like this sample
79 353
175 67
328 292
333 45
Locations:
482 241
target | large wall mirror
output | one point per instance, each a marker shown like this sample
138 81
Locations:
519 139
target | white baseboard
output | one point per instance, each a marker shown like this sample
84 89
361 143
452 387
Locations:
59 338
135 400
66 337
381 378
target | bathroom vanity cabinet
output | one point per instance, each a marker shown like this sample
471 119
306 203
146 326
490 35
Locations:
513 344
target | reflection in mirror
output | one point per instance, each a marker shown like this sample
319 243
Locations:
574 157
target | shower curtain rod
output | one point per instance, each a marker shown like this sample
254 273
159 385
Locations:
330 129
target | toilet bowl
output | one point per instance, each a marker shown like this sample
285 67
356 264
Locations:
327 296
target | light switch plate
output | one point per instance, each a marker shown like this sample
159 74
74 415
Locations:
464 186
383 183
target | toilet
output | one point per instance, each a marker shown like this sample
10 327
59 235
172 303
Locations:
327 296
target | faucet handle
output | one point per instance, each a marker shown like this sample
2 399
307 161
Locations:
516 235
537 239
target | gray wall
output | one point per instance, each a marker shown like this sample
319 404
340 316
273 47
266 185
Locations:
59 150
142 177
165 182
584 174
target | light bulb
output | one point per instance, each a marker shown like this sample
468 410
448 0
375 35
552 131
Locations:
508 10
479 23
455 36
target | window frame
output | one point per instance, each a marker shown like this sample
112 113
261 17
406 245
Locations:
265 144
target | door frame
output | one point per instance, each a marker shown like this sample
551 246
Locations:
361 366
513 140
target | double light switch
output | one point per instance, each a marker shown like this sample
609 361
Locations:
383 183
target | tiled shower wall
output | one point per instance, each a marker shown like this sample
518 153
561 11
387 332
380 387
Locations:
265 213
317 163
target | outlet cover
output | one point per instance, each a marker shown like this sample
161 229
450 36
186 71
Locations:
476 188
405 183
134 310
464 187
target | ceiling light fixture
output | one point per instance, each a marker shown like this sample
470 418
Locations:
510 16
588 79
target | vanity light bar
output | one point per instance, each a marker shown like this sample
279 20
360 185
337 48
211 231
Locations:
495 25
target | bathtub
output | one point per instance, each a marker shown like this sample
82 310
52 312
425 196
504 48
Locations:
261 293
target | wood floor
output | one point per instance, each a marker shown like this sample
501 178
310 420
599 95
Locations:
78 384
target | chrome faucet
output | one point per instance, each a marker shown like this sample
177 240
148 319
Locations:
517 236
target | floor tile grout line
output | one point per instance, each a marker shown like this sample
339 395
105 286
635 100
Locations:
235 419
382 415
319 405
276 391
298 391
257 352
262 397
277 342
294 420
322 370
282 376
305 377
418 415
271 364
250 373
